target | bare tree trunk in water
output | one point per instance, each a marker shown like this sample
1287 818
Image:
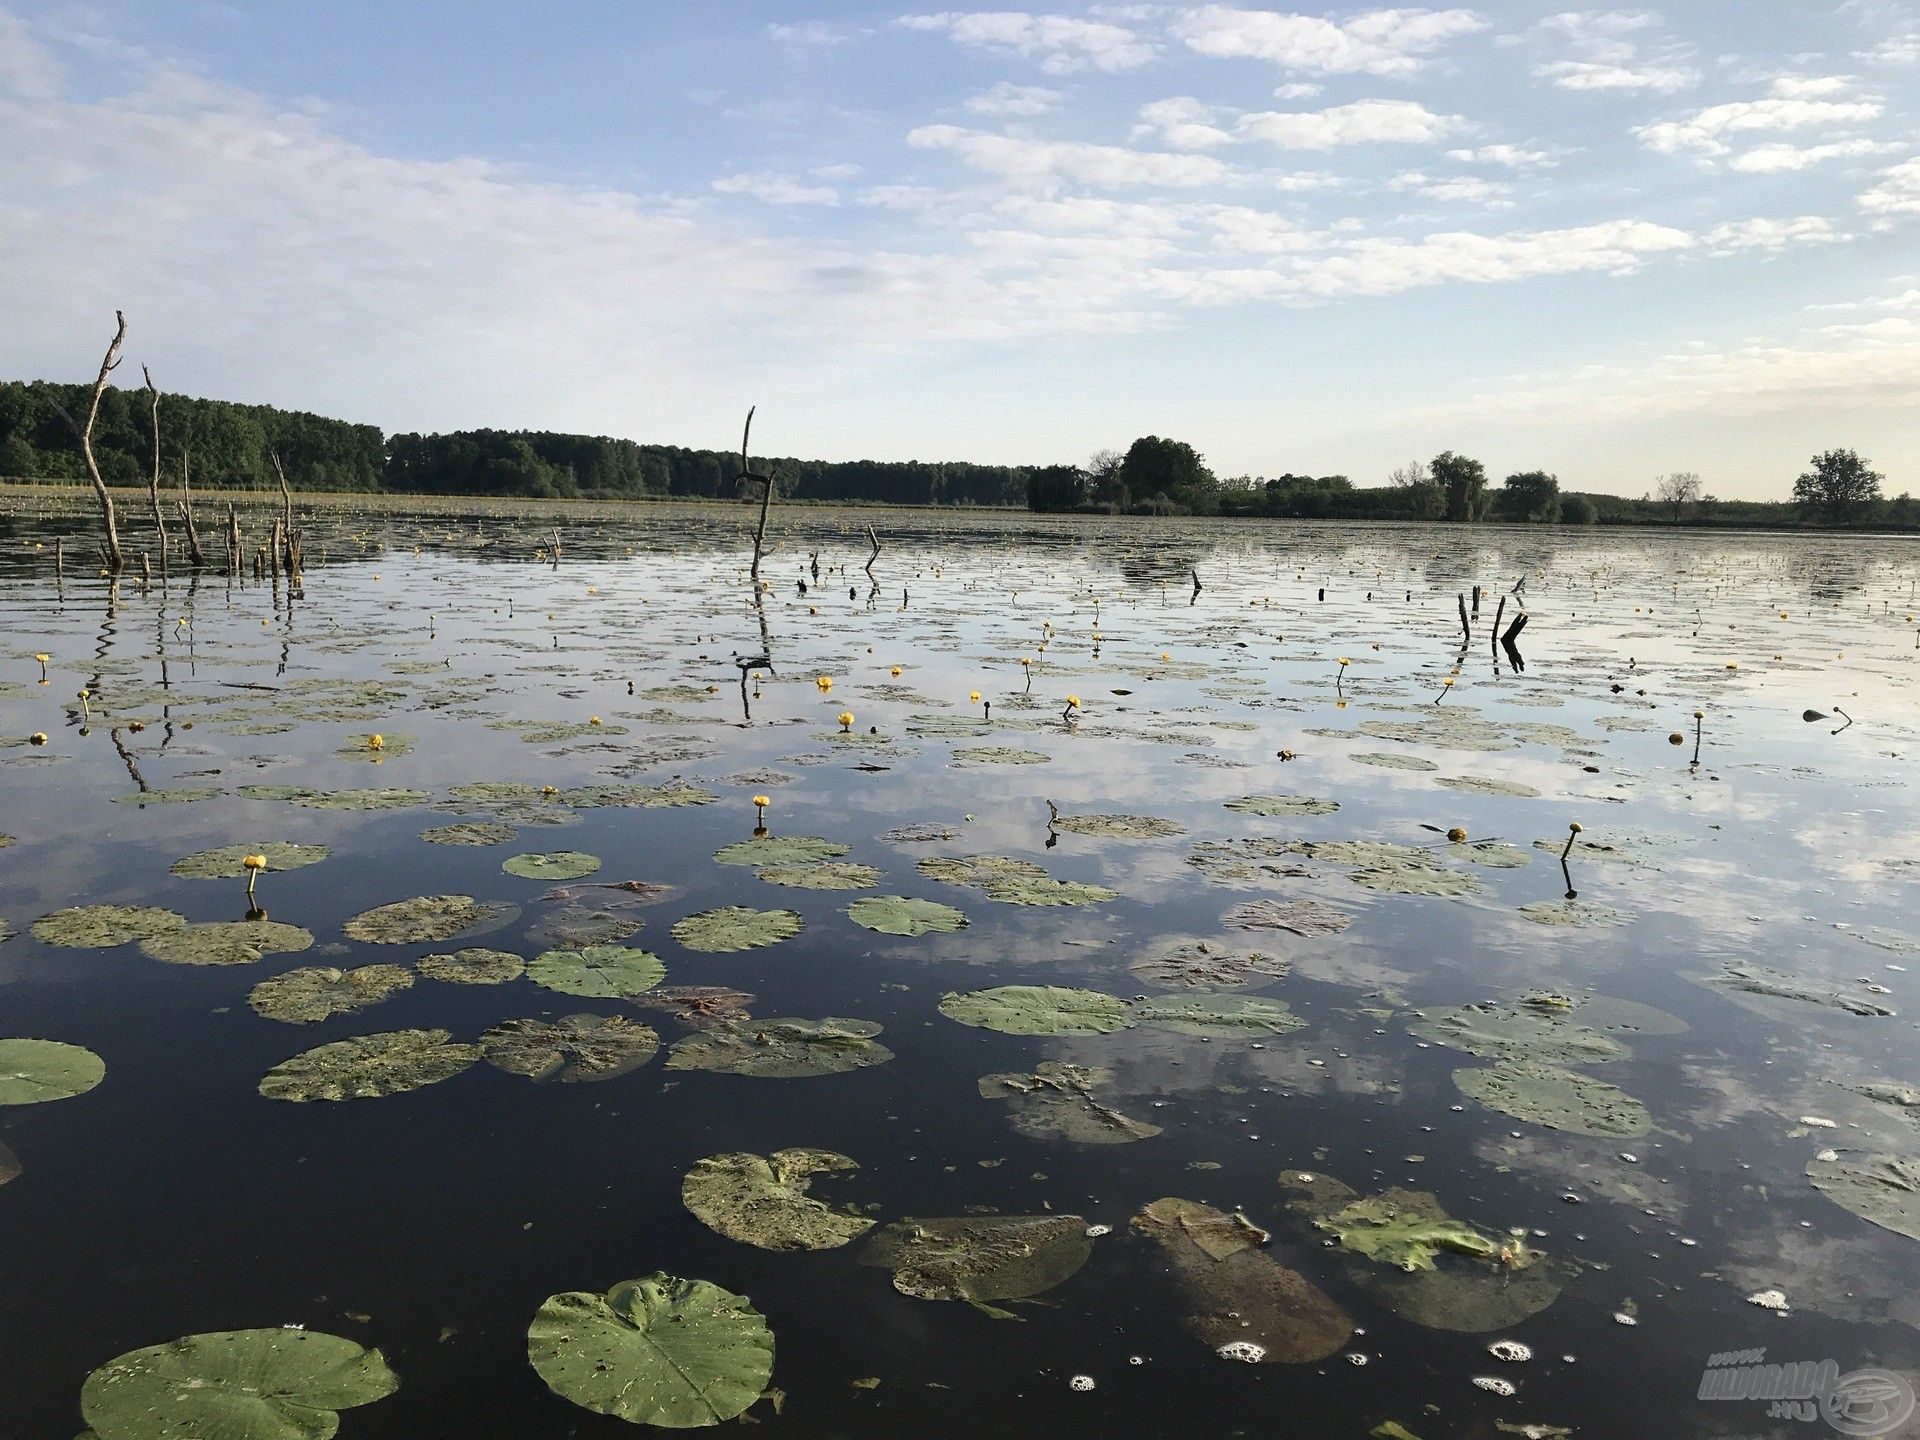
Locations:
153 485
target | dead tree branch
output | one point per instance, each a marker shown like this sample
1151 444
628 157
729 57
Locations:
115 561
153 482
766 481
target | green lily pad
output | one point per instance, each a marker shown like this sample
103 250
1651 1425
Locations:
1056 1102
1385 761
765 1202
1488 785
224 863
1118 827
780 850
1416 880
35 1071
275 792
1883 1190
827 875
1573 914
575 927
1234 1294
1306 918
427 917
1517 1032
1039 1010
1283 805
360 747
1407 1229
657 1351
1018 891
998 755
735 927
1494 854
367 1066
557 865
275 1384
101 927
1557 1098
980 1258
781 1049
978 870
184 795
572 1048
473 967
226 942
607 972
1222 1016
1177 962
904 915
375 799
317 992
470 832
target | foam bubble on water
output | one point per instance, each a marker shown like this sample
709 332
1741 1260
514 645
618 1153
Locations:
1094 1232
1510 1350
1243 1350
1082 1383
1494 1383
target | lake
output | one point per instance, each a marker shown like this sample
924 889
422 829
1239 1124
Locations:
1192 1035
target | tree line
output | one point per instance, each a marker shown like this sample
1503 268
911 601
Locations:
224 445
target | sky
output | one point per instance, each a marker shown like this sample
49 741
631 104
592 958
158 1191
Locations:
1606 243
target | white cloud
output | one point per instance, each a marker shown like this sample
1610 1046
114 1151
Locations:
1770 235
1704 134
1783 158
1453 187
1364 122
805 33
1895 50
1598 75
1812 87
1297 90
1898 192
1181 122
776 189
1514 157
1059 44
1385 267
1009 101
27 68
1374 42
1047 164
1613 50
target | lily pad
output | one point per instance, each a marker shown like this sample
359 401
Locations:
827 875
1743 978
1573 914
1056 1102
320 991
1517 1032
904 915
1883 1190
274 792
185 795
980 1258
780 850
1233 1294
1494 854
470 832
1283 805
765 1202
998 755
572 1048
427 917
1306 918
100 927
1040 1010
1388 761
1222 1016
698 1007
1557 1098
284 1383
1176 962
226 942
574 927
473 967
35 1071
555 865
1118 827
368 1066
657 1351
225 863
978 870
1416 880
607 972
782 1049
375 799
736 927
1488 785
1018 891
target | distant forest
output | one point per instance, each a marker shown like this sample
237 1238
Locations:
228 446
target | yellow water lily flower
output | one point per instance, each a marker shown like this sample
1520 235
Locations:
846 721
762 801
896 672
593 719
39 737
376 742
974 696
253 865
1456 835
825 682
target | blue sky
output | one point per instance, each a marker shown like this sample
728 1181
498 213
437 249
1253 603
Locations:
1603 242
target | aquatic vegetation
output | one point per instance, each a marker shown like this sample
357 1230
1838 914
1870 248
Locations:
826 875
1118 827
698 1007
320 992
766 1202
1234 1294
472 967
426 917
101 927
1883 1190
1056 1102
285 1383
572 1048
780 850
226 942
608 972
1219 1016
980 1258
1555 1097
1040 1010
1206 965
1573 914
729 928
470 832
369 1066
655 1351
781 1049
904 915
229 861
33 1072
1517 1032
1306 918
375 799
999 755
1283 805
554 865
1743 978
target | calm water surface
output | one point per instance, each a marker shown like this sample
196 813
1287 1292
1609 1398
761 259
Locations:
174 1198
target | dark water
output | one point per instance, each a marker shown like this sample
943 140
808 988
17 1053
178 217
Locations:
173 1199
